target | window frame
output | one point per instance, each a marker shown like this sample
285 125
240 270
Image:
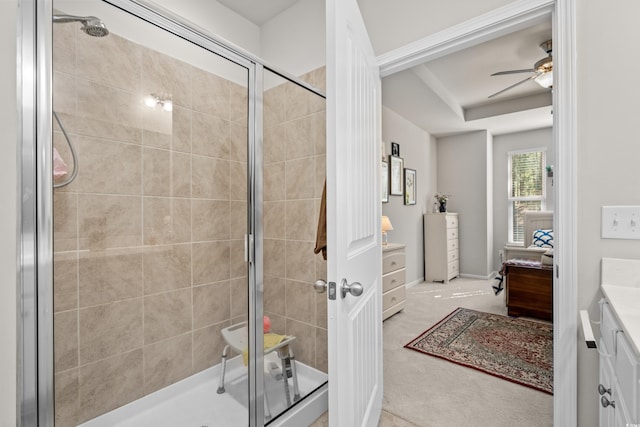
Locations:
511 200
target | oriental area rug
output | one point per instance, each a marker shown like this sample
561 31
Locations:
514 349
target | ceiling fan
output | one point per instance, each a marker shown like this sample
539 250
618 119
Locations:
543 71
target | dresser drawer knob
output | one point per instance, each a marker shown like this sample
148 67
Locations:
393 281
602 390
606 402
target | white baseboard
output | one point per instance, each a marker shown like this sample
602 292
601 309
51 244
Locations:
491 275
415 282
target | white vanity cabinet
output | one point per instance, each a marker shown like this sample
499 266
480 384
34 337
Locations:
619 372
619 346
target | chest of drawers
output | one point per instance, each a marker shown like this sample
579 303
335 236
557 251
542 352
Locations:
441 250
393 279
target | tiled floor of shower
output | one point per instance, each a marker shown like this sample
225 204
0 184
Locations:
194 401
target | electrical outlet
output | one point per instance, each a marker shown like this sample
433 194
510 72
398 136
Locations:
621 222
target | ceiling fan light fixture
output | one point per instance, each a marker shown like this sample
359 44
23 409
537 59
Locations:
542 71
545 79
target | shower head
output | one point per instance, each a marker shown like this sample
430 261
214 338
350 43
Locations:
90 24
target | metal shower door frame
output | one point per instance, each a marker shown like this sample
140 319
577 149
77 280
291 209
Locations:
35 334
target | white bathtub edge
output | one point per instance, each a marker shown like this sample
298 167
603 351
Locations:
307 412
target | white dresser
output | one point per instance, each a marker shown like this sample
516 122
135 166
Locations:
619 382
441 251
393 279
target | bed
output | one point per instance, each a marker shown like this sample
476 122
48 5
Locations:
528 270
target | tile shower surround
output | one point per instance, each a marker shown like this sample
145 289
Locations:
148 251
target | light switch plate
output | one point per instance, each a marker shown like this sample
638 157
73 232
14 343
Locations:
621 222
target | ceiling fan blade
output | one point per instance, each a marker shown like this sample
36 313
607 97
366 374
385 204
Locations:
502 73
514 85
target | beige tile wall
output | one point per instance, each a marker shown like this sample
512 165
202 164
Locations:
294 153
148 251
148 256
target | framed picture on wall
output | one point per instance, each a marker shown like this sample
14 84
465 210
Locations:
409 187
384 181
395 180
395 149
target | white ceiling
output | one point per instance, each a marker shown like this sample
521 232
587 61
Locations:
438 95
259 11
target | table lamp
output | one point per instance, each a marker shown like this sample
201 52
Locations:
386 226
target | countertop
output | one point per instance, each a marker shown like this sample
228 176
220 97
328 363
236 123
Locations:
625 301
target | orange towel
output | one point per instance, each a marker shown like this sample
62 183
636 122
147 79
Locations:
321 234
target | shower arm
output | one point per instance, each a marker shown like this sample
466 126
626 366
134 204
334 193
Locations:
73 155
63 19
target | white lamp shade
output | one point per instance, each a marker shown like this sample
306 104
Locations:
386 224
545 79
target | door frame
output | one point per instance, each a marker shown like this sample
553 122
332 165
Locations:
501 21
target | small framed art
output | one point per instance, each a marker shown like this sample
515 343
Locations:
409 187
396 165
395 149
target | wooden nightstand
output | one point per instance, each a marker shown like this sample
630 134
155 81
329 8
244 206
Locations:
529 291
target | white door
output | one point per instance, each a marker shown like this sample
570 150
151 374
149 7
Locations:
353 219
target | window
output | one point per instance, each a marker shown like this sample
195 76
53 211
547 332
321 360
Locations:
527 189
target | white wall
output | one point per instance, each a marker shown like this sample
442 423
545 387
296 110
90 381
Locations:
608 153
8 220
418 149
463 173
490 195
294 41
502 145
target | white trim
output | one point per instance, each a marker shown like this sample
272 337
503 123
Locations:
415 282
516 15
498 22
475 276
565 310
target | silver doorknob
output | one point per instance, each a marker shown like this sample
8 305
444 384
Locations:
354 289
320 286
606 402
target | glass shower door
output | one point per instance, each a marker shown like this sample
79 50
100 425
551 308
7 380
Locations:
150 215
294 174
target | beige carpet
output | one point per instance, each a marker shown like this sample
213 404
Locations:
428 391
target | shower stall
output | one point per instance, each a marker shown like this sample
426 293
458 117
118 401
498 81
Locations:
181 187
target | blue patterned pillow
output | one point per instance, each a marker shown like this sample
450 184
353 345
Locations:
543 238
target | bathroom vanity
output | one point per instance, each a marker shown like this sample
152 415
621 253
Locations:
619 345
